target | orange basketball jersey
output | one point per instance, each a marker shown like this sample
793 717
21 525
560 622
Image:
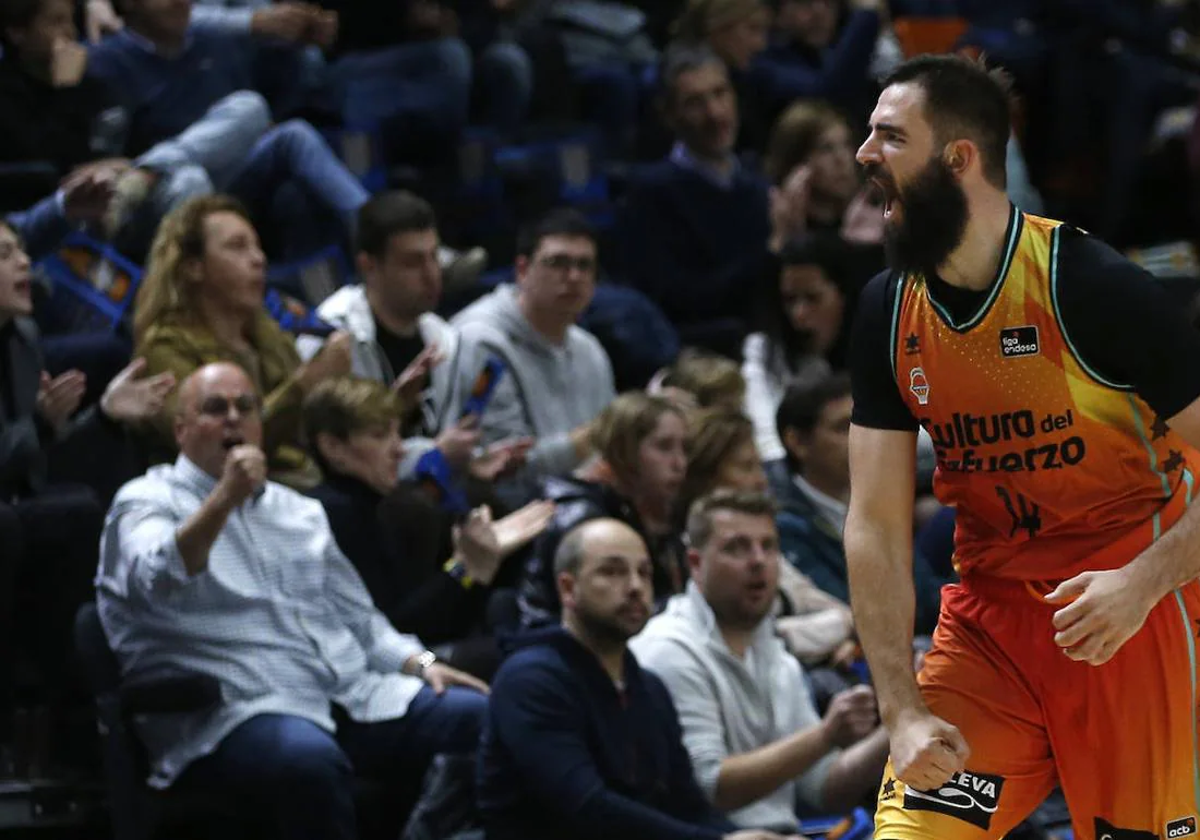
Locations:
1052 469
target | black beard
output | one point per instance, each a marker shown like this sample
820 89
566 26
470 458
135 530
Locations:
933 220
603 630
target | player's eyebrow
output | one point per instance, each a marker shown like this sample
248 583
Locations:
890 127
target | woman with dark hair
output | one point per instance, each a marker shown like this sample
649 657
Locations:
804 331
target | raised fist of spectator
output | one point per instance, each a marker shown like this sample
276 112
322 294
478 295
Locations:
59 398
244 472
851 716
129 398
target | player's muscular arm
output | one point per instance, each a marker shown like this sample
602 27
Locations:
926 751
878 542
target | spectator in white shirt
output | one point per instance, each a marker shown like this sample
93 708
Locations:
206 567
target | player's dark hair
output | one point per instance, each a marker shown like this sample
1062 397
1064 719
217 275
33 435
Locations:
964 100
387 214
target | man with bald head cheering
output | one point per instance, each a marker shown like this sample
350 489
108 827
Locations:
206 567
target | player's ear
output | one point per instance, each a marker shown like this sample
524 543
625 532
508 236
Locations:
959 155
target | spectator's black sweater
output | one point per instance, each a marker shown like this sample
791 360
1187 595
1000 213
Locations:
395 544
566 754
695 248
45 123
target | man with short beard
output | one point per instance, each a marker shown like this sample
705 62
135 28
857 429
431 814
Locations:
1061 391
580 742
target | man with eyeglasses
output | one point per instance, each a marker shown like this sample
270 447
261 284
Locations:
207 567
558 376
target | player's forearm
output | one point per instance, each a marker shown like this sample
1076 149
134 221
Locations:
857 770
884 603
753 775
1173 560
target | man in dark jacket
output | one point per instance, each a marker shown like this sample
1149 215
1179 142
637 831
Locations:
813 489
579 741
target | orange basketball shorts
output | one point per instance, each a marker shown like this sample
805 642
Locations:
1120 738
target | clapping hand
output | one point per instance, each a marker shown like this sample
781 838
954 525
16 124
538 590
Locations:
481 543
411 381
501 459
129 399
59 398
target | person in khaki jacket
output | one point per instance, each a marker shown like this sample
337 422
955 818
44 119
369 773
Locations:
201 302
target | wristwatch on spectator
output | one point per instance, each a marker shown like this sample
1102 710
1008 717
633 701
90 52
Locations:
424 660
457 570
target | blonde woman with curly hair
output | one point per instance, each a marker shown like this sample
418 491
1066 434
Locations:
201 301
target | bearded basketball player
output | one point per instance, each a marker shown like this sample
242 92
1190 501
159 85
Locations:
1062 393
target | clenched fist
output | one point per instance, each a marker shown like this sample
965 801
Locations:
926 750
245 471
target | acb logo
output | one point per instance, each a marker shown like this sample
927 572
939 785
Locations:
1183 827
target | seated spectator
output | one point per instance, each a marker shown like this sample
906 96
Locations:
736 31
721 454
818 628
805 329
580 742
201 301
810 160
285 48
814 425
823 49
558 377
353 427
699 379
48 532
391 319
168 75
406 63
758 747
65 118
696 234
207 567
640 443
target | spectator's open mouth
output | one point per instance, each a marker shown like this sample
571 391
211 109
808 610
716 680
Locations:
232 441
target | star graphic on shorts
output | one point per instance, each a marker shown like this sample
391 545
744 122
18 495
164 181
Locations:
912 343
1174 462
889 787
1159 429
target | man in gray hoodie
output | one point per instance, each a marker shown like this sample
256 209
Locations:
558 376
758 747
391 319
